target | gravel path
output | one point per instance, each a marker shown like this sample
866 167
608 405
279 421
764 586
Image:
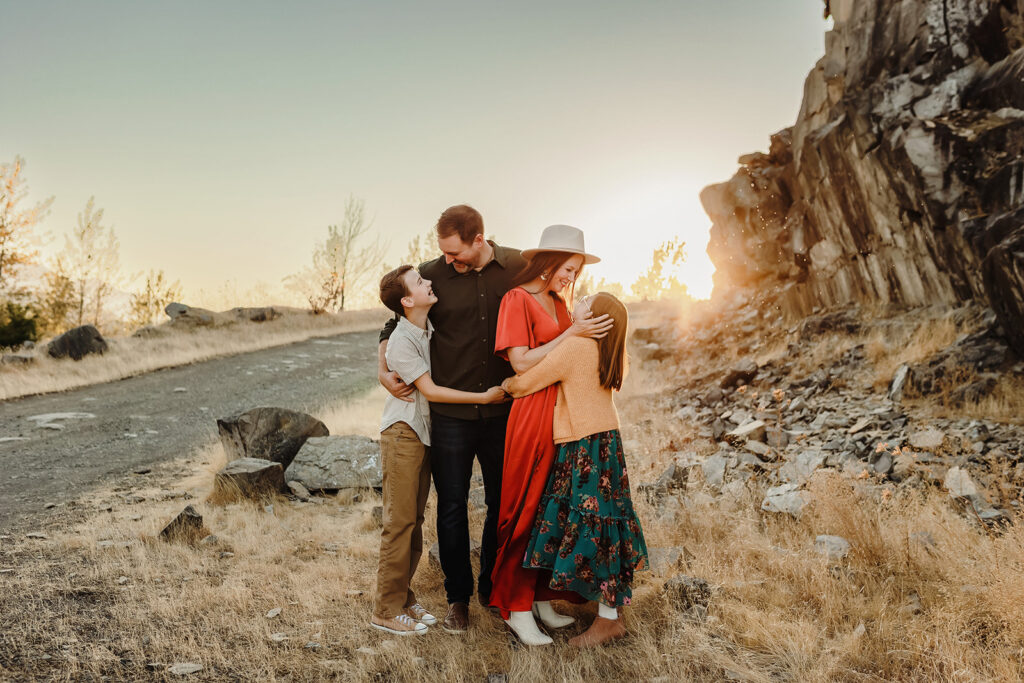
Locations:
56 447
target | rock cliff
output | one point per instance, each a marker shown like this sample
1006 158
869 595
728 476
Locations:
902 179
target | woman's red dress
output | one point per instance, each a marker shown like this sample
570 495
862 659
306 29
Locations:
529 453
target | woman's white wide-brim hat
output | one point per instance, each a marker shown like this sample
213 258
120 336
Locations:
563 238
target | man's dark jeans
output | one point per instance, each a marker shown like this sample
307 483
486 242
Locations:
453 444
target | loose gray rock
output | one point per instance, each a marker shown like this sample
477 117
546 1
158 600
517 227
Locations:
714 470
801 466
959 483
77 343
927 440
662 561
186 527
742 373
249 478
899 383
275 434
337 462
751 431
785 499
884 464
832 547
185 668
298 490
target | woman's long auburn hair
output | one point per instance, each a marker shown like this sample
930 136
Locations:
611 348
546 262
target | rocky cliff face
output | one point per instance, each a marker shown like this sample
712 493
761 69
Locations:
903 178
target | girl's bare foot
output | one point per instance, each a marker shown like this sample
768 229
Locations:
600 632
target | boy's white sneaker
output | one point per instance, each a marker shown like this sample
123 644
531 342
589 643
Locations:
420 614
401 625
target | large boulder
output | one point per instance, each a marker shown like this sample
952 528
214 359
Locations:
274 434
189 316
337 462
78 343
249 478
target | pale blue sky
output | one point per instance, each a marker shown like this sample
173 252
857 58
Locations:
223 137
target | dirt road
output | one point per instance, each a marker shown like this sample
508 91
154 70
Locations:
57 447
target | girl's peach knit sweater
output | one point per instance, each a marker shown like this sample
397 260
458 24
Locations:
583 407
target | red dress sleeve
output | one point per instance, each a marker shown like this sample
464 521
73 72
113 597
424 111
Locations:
515 326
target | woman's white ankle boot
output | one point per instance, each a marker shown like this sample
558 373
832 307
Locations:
525 627
547 614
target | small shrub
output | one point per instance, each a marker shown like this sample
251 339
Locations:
17 324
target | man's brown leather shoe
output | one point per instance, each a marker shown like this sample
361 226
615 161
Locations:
457 619
600 632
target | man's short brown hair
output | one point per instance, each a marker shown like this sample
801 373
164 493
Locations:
392 289
462 220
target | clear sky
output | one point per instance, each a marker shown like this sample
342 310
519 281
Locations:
222 138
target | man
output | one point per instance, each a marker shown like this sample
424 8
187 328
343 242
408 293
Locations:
470 279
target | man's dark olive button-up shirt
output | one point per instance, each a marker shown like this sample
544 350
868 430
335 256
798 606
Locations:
465 319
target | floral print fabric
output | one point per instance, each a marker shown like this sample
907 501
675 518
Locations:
586 531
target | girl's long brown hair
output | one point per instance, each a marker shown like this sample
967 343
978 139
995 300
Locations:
611 348
546 262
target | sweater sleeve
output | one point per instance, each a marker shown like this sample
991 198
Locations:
550 370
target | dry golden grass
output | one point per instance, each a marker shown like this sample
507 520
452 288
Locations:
129 356
887 349
779 611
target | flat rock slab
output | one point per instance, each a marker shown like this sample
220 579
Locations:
785 498
927 439
249 478
274 434
337 462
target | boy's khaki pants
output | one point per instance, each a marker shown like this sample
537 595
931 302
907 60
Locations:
406 466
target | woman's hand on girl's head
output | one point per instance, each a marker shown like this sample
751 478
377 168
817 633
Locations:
594 328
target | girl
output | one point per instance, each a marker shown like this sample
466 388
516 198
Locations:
586 531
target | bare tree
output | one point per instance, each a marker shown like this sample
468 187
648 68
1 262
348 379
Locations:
422 248
16 223
56 301
341 263
147 305
92 256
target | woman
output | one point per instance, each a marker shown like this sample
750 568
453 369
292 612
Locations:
533 320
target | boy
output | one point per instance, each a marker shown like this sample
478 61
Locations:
404 444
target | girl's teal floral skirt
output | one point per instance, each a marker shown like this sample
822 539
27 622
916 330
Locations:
586 531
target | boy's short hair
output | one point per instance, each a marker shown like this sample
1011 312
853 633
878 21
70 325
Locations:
392 289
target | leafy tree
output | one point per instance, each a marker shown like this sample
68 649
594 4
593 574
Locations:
92 256
658 281
341 263
16 223
148 303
